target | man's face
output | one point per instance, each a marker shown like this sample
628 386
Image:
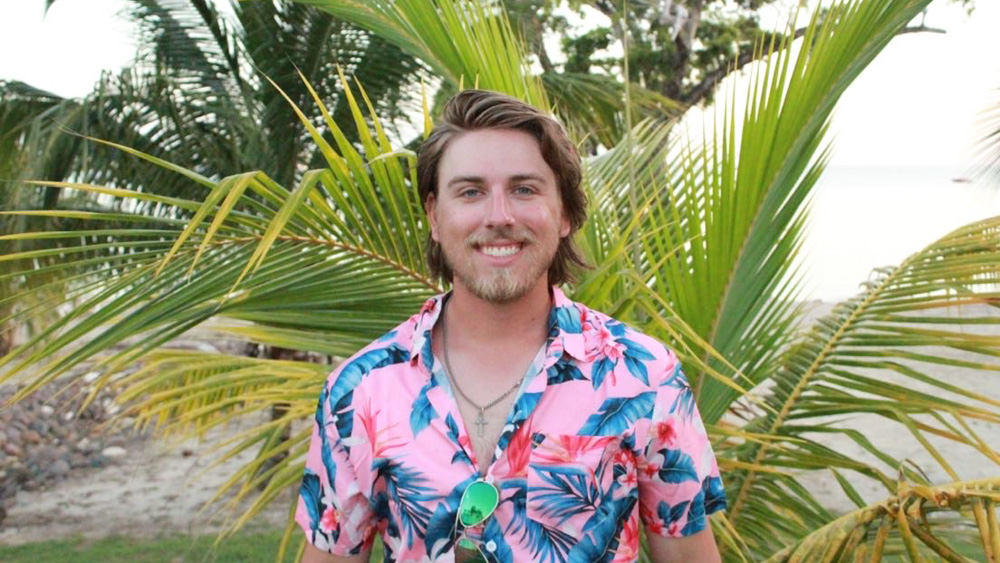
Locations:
497 214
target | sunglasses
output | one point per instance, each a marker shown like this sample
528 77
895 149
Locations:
478 502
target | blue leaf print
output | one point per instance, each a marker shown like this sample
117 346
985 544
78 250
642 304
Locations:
637 369
449 421
427 352
566 493
352 374
563 371
618 415
325 453
524 406
329 464
460 453
380 505
502 552
600 369
566 319
678 467
684 404
636 350
344 414
422 412
406 490
616 328
522 409
670 514
696 516
312 497
715 495
440 537
628 442
547 543
387 336
600 540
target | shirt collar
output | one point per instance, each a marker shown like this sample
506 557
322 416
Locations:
566 335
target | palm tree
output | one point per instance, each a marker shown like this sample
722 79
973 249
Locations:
694 243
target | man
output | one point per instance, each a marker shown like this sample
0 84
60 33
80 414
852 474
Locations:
504 422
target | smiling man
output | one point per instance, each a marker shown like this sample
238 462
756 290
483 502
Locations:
504 422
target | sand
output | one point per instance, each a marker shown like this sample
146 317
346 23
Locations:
158 489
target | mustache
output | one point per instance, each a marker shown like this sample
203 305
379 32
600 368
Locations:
521 236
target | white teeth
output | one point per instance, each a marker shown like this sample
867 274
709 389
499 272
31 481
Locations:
499 250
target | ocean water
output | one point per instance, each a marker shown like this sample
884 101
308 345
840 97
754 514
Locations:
870 217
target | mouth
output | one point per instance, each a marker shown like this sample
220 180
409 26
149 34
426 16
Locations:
500 250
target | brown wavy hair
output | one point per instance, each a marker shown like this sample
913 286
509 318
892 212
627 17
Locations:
472 110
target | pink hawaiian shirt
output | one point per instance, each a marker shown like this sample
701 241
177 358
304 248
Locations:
603 434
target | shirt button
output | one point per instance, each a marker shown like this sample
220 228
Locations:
488 479
334 418
491 546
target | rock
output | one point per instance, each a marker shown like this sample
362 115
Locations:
60 468
40 426
43 454
11 448
90 377
114 452
32 437
119 441
13 435
47 410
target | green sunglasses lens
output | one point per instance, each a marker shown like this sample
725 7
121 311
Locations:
467 544
478 502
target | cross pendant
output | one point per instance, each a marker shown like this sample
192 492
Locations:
480 424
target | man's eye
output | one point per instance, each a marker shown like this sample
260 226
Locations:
468 192
524 190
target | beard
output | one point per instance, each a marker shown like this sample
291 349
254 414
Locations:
501 286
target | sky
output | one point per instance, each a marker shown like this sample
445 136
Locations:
901 133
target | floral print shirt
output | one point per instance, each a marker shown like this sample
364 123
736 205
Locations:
606 433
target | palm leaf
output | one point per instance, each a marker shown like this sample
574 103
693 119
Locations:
466 43
909 519
880 354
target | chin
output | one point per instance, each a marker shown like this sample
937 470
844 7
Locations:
500 289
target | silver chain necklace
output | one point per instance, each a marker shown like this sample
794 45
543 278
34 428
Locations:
481 417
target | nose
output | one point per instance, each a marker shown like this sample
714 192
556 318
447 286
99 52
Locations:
499 212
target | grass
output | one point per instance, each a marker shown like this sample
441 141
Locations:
242 547
246 547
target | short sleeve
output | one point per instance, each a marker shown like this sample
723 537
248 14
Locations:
333 511
679 483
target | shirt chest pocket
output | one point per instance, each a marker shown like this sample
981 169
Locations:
570 476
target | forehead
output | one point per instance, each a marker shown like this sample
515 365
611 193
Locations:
493 154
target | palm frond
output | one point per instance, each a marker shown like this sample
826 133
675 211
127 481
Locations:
913 520
467 43
737 201
988 151
882 354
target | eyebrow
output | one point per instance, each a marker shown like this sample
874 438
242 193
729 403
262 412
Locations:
481 180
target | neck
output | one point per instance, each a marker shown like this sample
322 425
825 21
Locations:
480 322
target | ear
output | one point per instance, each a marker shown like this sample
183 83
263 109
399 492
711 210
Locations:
430 205
564 226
